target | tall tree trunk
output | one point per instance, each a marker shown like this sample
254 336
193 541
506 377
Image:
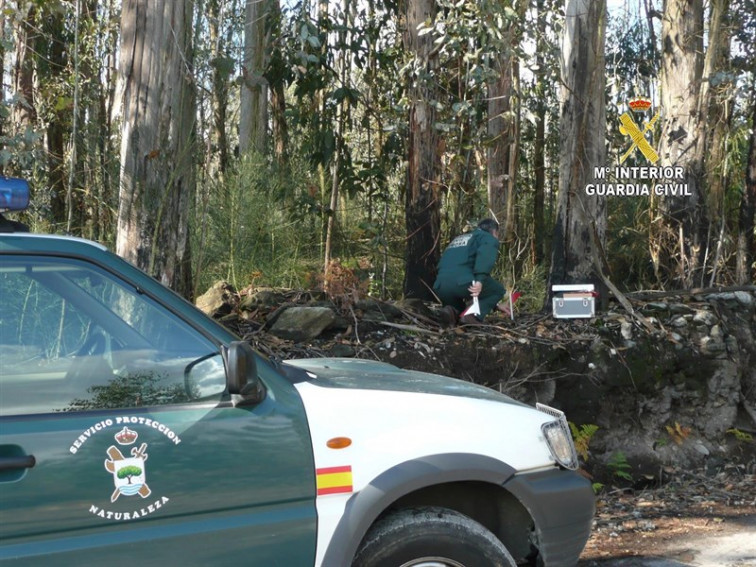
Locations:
539 144
254 93
422 192
24 113
52 65
339 141
3 119
157 171
107 190
580 228
502 135
276 77
90 118
679 236
746 247
716 103
503 128
222 69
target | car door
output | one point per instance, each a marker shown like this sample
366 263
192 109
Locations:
119 442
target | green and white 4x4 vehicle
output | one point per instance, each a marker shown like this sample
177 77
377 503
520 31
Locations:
134 430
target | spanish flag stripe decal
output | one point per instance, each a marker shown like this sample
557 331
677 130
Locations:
334 480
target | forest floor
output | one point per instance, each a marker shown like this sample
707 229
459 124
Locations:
705 518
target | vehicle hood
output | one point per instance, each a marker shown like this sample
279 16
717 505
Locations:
357 374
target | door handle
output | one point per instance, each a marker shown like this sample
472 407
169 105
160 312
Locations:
20 462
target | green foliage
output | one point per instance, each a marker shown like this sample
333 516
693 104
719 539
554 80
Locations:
741 436
261 225
128 472
619 466
532 284
582 436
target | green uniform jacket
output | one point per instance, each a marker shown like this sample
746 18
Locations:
470 256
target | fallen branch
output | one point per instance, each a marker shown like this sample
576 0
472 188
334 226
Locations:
651 294
411 328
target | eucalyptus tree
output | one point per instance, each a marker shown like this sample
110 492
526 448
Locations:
579 232
744 63
504 114
746 240
679 239
24 111
253 121
423 182
157 147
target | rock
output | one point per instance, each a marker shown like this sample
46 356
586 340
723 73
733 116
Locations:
261 298
745 298
701 448
627 331
680 308
341 351
712 346
302 323
704 317
219 300
679 322
374 310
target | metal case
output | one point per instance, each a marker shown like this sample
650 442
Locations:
576 301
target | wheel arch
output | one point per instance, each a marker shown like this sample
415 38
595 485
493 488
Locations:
450 478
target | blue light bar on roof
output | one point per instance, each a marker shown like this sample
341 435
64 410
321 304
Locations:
14 194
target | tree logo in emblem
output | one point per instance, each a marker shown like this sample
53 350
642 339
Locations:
129 475
630 128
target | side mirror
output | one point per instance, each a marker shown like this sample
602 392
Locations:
241 374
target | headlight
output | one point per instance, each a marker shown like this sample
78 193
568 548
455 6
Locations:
558 438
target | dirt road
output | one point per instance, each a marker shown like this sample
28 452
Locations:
695 521
732 544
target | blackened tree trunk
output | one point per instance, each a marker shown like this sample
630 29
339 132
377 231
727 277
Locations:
157 147
422 192
581 218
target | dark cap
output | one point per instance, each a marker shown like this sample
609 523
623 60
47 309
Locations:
489 225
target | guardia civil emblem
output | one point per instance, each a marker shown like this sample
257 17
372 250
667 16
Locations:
640 107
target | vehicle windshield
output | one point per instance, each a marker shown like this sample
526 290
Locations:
75 337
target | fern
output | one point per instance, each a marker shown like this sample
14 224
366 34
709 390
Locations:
582 437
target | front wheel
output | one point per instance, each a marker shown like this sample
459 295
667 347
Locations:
430 537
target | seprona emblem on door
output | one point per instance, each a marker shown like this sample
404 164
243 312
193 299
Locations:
129 473
126 461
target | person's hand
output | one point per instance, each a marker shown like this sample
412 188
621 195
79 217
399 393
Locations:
475 289
504 309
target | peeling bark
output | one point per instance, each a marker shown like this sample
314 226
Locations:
157 149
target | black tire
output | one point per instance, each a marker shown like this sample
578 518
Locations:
430 536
